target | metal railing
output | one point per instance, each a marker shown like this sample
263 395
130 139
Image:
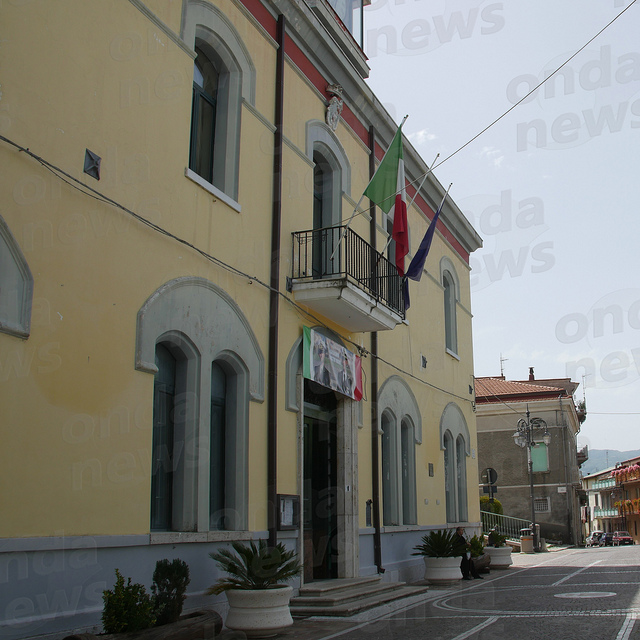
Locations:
609 483
339 252
506 525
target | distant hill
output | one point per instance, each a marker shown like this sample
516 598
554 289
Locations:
601 459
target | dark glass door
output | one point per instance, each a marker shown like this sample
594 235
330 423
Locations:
320 490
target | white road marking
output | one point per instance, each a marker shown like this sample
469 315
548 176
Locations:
586 594
575 573
474 630
627 628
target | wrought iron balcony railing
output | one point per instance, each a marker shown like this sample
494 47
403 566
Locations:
339 253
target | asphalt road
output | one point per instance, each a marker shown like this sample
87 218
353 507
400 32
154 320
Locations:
562 595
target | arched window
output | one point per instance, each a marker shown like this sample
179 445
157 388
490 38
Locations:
203 116
450 324
173 441
224 77
16 286
454 442
401 431
217 447
206 373
331 178
390 511
323 217
461 479
449 478
408 472
162 457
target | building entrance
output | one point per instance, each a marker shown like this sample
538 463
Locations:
319 489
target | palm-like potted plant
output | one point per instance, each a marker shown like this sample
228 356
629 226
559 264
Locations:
255 586
499 550
442 550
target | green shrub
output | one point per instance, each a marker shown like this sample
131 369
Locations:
476 546
170 580
126 608
491 507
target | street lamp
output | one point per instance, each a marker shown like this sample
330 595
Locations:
524 437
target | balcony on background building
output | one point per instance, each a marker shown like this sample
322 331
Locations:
608 483
339 275
599 512
583 455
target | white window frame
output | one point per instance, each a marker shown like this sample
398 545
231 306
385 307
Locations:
16 286
209 28
451 296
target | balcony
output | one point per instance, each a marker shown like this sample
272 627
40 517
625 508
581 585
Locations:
599 512
339 275
609 483
583 455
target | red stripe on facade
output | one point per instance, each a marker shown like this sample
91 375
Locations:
264 17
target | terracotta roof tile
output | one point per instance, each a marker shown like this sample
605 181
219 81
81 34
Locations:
490 387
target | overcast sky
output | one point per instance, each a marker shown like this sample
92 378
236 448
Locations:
552 188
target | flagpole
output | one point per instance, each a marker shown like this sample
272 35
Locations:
429 170
346 228
444 197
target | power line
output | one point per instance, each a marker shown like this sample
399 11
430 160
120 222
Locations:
86 190
519 102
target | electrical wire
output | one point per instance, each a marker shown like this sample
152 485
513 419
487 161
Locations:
513 106
87 190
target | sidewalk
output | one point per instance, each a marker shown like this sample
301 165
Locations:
318 628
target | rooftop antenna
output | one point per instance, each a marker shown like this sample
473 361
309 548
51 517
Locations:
502 360
584 387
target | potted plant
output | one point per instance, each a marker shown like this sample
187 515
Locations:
481 560
442 551
499 551
255 586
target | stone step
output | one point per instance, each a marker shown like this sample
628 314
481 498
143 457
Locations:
346 598
323 588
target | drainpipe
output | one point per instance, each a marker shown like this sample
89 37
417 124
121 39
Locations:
564 429
276 224
375 440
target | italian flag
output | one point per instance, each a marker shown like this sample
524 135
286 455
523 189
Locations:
387 190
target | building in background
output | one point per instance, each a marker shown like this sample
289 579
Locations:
177 191
614 498
500 404
600 512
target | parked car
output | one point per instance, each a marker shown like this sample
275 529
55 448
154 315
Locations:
621 537
593 539
606 540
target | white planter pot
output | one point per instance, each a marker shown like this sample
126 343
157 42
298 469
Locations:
500 557
259 613
442 571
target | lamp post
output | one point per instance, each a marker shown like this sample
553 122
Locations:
524 437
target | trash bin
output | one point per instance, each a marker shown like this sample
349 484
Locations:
526 540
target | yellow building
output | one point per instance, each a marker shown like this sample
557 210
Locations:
178 184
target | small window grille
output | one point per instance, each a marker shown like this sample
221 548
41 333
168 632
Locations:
541 504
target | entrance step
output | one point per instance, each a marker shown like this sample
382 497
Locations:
343 598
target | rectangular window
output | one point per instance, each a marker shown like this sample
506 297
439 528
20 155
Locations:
541 505
540 457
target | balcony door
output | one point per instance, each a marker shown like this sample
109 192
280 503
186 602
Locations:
325 260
